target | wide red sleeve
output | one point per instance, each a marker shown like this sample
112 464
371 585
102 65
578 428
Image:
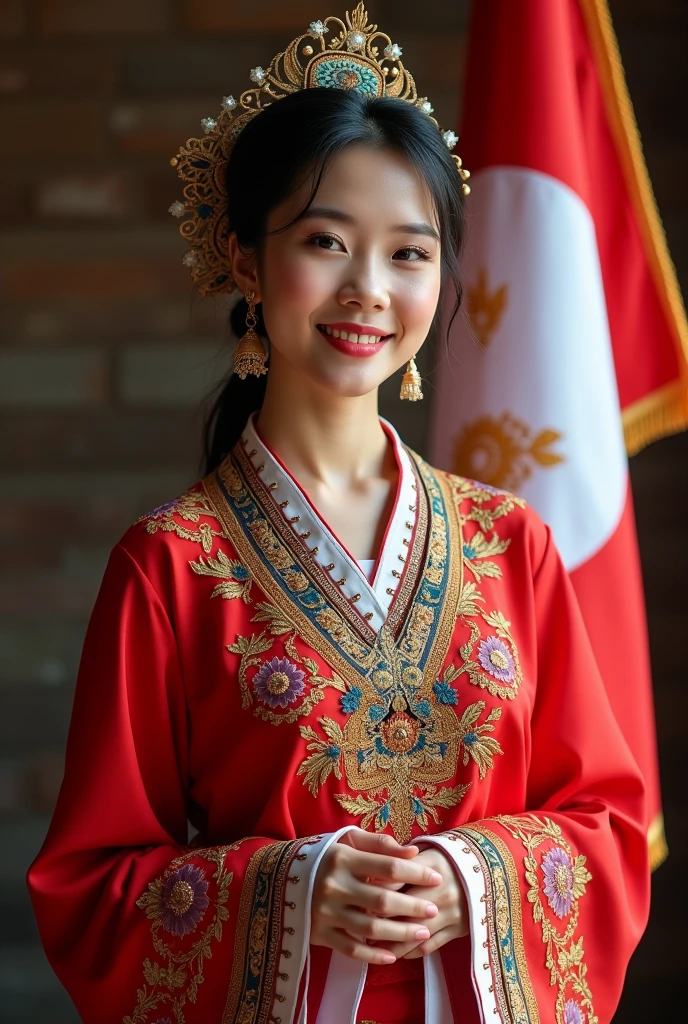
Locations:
140 925
558 888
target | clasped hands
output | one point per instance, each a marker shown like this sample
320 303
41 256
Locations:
359 907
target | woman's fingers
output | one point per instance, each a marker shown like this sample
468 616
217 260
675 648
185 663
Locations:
389 869
435 941
384 930
352 947
377 842
388 903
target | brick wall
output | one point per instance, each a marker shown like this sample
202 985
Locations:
106 354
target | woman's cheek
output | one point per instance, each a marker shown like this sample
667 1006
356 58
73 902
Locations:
416 302
297 272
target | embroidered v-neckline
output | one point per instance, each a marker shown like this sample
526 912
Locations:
384 596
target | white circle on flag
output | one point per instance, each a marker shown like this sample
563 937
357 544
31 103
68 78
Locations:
544 376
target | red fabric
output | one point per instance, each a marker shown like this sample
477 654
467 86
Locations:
534 99
159 734
609 588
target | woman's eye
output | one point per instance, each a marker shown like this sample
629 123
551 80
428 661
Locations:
412 254
326 242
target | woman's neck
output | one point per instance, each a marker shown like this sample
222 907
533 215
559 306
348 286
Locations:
333 441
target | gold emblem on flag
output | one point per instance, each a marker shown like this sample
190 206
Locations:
503 451
486 308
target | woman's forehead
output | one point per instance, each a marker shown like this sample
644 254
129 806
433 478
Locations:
367 182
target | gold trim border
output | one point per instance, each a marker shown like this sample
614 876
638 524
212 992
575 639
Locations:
470 834
665 410
656 842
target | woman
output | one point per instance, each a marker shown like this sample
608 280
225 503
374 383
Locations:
363 681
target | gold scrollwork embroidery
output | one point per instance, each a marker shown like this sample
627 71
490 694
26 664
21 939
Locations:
562 878
281 681
177 903
236 579
190 507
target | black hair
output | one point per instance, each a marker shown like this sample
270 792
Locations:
273 156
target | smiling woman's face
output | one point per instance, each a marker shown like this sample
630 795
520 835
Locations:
366 256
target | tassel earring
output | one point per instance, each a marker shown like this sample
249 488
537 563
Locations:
250 355
410 384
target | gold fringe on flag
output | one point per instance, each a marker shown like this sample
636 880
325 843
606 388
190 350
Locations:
664 411
656 843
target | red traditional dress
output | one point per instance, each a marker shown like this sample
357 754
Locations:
241 672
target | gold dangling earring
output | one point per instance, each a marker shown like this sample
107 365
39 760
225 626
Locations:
250 355
410 384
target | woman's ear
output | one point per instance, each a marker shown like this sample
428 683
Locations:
244 268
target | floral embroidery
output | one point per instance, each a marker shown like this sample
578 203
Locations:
288 674
566 878
398 743
476 745
278 683
444 693
495 666
558 872
480 548
495 658
573 1013
178 903
189 507
236 578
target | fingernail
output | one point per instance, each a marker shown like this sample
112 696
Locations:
435 878
388 958
422 933
431 910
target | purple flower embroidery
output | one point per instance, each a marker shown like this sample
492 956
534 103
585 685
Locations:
278 683
495 658
162 510
558 872
183 900
573 1013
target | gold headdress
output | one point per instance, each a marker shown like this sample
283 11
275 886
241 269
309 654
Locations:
349 60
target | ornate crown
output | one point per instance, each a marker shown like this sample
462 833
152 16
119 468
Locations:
350 60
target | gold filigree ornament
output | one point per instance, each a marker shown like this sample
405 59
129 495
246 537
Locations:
356 56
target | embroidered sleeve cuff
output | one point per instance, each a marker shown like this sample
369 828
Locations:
296 926
470 870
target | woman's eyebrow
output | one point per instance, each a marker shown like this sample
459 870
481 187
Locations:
329 213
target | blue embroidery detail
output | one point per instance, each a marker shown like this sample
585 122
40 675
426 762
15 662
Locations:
381 748
423 708
469 551
384 813
351 701
417 805
505 935
430 594
445 693
376 713
470 738
333 751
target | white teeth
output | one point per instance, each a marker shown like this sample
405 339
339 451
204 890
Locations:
357 339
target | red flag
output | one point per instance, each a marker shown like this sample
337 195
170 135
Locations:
582 342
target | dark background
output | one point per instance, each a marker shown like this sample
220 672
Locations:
106 354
